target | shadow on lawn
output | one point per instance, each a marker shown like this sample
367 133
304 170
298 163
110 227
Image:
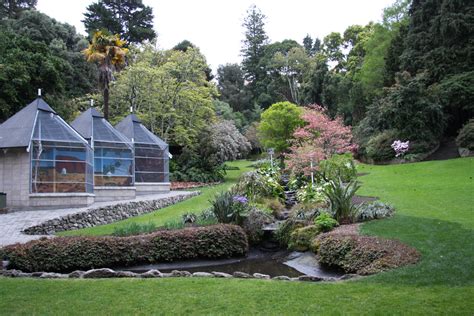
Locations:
447 250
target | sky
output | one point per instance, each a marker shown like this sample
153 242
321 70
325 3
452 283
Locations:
215 26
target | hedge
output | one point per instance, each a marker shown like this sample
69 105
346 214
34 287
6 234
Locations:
65 254
362 254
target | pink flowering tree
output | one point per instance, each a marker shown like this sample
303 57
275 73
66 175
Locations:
319 139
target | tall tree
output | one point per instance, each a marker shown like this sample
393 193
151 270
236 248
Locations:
12 8
253 49
131 19
231 85
108 53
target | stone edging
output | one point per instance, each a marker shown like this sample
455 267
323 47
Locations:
109 273
104 215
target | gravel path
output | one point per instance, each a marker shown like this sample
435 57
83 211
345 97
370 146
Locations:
12 224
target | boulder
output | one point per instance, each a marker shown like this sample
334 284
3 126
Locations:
310 278
126 274
12 273
151 274
76 274
242 275
261 276
282 278
349 276
52 275
221 275
177 273
203 274
100 273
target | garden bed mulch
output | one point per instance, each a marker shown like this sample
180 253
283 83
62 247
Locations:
190 185
359 199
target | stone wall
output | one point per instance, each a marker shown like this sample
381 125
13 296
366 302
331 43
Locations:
104 215
15 176
105 194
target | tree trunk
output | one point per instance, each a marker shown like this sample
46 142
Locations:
106 103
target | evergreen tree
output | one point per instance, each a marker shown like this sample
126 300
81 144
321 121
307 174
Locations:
231 85
253 50
13 8
131 19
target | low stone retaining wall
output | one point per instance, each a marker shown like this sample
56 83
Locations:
104 215
109 273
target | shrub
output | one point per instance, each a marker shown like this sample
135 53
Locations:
229 208
379 146
465 138
339 166
63 254
134 229
374 210
255 185
283 232
189 218
253 225
311 193
300 238
340 199
324 222
361 254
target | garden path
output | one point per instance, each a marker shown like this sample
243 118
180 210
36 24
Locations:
12 224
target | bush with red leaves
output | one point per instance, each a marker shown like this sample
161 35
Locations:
64 254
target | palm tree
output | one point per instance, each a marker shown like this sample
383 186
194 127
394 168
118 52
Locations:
108 53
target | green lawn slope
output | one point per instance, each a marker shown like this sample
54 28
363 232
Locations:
435 214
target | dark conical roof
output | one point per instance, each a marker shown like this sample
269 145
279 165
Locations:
133 129
19 129
92 124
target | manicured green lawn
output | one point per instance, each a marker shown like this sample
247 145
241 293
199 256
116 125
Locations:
194 205
435 213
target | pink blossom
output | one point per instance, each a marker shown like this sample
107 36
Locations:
400 147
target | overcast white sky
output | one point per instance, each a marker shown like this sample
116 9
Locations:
215 26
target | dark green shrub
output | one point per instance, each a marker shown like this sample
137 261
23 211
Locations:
340 199
311 193
283 234
229 207
324 222
253 225
339 166
465 138
63 254
133 228
300 238
379 146
260 184
362 254
374 210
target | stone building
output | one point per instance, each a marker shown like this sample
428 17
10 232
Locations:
44 162
114 171
151 156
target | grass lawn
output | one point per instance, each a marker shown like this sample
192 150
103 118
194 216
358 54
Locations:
194 205
435 213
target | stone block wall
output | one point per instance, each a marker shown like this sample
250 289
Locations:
15 176
105 194
152 188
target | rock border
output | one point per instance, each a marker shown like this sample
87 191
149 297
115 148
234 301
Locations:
106 273
105 214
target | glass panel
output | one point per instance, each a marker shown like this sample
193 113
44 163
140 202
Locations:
149 152
113 181
58 171
113 166
151 177
148 164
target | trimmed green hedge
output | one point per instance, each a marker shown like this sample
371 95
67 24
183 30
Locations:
64 254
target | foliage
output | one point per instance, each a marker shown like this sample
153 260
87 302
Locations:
340 199
318 139
311 193
283 233
13 8
278 125
225 112
400 147
134 229
229 207
253 225
39 52
130 19
364 255
169 92
379 147
374 210
64 254
258 184
324 222
108 53
252 136
300 238
231 86
222 142
338 166
465 137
